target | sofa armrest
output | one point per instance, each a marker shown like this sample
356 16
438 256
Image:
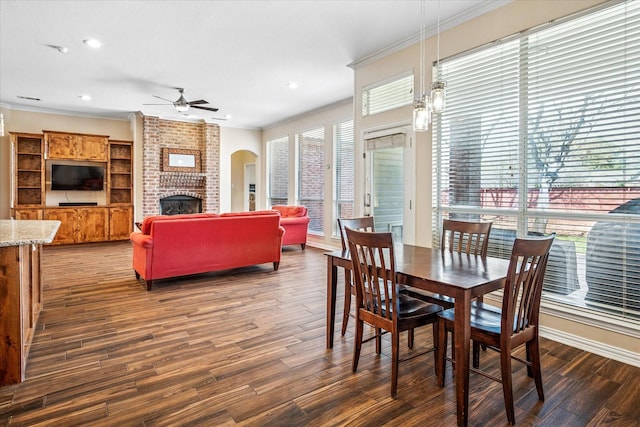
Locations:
143 240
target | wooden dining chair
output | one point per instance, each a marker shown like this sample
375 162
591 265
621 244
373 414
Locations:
361 224
378 300
463 237
514 324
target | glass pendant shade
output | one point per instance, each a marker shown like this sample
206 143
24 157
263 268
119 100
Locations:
437 97
421 115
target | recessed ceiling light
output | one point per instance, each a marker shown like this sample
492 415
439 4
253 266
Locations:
292 85
94 43
85 97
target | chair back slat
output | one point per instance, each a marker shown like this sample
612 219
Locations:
361 224
374 269
523 286
465 236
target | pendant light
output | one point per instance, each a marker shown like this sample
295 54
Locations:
425 105
437 87
421 106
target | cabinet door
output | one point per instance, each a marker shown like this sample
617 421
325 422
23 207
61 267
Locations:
61 146
92 148
68 224
120 223
93 225
27 214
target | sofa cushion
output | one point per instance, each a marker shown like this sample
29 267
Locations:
145 228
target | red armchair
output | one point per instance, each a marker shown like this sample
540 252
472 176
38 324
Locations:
295 221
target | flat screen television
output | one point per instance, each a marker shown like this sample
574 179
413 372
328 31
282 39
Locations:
77 178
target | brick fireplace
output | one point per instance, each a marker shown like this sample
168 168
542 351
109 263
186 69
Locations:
158 184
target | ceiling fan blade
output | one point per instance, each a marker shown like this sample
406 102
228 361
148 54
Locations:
164 99
205 108
199 101
156 104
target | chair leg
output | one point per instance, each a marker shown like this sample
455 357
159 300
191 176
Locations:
476 355
347 301
533 350
441 352
507 387
357 344
378 340
410 338
395 349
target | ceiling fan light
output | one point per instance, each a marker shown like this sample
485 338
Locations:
182 108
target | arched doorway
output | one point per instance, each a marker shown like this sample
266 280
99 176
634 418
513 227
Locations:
243 180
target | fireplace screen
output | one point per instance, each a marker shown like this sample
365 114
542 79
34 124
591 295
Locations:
175 205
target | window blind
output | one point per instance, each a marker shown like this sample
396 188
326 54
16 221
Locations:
344 170
310 185
542 134
387 95
278 171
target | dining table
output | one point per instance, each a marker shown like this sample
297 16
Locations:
460 276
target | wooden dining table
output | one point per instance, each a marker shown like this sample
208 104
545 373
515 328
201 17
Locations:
461 276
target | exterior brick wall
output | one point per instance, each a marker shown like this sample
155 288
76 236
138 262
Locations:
157 184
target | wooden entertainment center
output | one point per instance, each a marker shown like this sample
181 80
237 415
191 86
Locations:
80 222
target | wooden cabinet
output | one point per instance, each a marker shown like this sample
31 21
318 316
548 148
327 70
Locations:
120 223
28 188
120 172
75 146
80 225
20 304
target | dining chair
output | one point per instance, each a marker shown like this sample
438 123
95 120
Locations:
361 224
463 237
513 324
378 300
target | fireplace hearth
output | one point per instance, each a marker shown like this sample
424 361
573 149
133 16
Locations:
180 204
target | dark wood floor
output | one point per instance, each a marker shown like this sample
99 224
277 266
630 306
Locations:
248 348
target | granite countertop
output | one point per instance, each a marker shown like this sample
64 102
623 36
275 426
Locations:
27 232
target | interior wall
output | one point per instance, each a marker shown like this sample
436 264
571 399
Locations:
35 122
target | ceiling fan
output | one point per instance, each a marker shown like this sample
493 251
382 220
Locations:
182 105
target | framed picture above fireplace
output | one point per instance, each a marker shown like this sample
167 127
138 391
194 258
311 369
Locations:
180 160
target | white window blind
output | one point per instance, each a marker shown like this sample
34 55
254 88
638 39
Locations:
542 134
310 145
388 95
278 164
344 170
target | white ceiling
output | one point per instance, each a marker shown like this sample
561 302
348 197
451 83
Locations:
237 55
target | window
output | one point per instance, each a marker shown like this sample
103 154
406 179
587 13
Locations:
344 161
278 151
542 134
310 147
388 95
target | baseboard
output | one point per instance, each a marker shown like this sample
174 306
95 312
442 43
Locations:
595 347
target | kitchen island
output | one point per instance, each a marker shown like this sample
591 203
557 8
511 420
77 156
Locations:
20 291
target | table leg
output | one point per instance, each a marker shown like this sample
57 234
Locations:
332 286
462 338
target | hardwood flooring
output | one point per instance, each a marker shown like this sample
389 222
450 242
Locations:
247 347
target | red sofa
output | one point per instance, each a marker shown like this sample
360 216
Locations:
178 245
295 221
